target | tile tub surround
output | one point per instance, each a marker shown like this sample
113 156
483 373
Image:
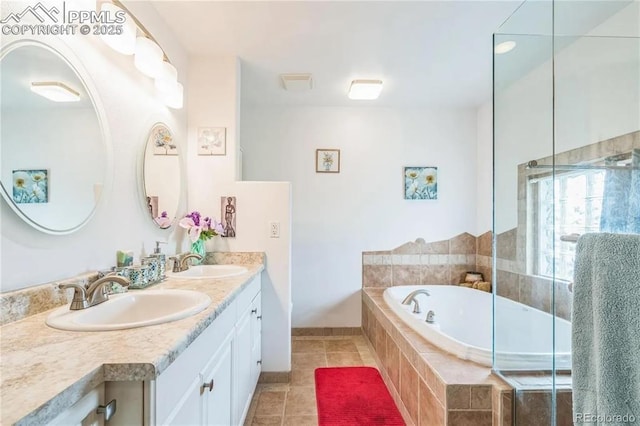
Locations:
72 363
440 262
429 386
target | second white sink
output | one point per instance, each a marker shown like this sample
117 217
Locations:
210 271
130 310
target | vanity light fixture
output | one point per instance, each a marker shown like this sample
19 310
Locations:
174 97
365 89
125 42
149 57
55 91
504 47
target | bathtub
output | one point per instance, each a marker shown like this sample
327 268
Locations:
463 327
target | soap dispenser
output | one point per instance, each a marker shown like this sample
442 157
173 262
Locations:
162 258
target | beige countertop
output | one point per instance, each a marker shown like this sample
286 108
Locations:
43 371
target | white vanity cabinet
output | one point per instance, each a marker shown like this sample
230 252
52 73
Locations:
212 381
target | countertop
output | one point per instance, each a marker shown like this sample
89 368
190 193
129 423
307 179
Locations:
43 371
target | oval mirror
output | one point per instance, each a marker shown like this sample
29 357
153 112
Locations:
52 143
161 176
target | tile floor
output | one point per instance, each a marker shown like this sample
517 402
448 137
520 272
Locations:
295 403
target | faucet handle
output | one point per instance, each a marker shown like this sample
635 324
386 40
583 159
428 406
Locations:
176 263
79 300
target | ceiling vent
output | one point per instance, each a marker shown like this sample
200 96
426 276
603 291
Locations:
297 82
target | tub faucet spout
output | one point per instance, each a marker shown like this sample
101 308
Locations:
411 297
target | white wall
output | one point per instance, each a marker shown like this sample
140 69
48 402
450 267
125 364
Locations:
121 220
214 101
337 216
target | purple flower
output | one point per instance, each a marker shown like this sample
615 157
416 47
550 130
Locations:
207 223
164 214
195 216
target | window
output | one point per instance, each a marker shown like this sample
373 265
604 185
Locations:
576 209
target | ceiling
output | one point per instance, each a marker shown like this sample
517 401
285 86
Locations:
431 53
428 53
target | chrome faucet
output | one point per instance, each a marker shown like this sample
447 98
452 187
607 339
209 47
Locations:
95 293
412 297
181 264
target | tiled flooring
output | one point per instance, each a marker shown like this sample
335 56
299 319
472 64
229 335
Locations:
295 403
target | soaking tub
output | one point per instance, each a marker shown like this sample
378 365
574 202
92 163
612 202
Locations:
463 327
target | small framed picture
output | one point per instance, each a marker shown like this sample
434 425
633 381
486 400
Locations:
30 186
420 183
327 161
212 141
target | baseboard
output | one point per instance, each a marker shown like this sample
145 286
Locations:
326 331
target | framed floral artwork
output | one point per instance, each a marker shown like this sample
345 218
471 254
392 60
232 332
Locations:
421 183
327 161
30 186
212 141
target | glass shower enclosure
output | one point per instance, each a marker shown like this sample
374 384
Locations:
566 111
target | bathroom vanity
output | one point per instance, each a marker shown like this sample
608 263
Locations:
199 370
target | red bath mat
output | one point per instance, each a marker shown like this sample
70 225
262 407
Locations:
350 396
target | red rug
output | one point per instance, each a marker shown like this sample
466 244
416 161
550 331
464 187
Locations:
348 396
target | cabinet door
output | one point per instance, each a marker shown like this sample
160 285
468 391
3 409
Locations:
256 339
189 410
216 387
242 357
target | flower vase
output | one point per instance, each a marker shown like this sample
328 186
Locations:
198 248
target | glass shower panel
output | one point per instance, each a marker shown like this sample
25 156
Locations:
596 120
566 110
523 130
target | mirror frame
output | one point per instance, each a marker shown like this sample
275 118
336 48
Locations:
65 53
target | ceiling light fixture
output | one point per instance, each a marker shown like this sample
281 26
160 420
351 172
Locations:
365 89
55 91
149 57
504 47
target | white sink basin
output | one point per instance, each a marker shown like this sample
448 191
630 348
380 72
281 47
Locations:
210 271
131 310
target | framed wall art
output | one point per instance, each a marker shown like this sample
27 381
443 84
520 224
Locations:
30 186
212 141
327 161
421 183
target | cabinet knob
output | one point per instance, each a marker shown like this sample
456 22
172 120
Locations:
254 311
208 385
259 317
259 362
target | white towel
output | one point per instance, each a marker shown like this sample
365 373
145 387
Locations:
606 330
